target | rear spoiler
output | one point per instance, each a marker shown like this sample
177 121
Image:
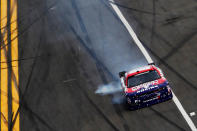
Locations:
151 63
122 74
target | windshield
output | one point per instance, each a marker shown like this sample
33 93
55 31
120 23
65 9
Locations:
143 78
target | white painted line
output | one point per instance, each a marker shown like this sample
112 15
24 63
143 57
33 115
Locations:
148 58
131 32
183 112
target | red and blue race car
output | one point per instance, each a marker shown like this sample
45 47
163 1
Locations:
144 87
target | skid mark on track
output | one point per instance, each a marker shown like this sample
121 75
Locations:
87 96
149 60
92 54
100 67
167 119
119 113
102 76
148 28
97 108
160 59
171 68
23 59
134 9
33 116
104 80
30 25
5 94
156 35
23 105
172 20
179 46
153 22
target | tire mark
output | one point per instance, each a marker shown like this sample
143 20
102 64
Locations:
86 94
153 22
24 59
134 9
143 26
25 107
5 94
7 54
172 20
88 41
32 114
161 61
104 80
166 119
92 54
100 67
108 7
178 47
11 74
116 107
102 74
22 102
119 113
4 119
96 61
22 18
97 108
9 41
76 58
146 27
8 58
170 67
88 98
30 25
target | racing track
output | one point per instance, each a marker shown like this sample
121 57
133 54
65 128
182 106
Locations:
68 48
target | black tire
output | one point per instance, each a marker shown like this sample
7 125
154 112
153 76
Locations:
121 74
126 105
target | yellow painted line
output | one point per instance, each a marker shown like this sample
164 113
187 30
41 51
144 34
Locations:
4 65
4 72
14 56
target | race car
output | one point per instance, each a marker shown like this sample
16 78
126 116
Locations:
144 86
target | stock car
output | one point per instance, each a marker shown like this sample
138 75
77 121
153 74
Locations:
144 86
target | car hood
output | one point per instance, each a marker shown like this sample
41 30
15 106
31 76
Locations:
152 85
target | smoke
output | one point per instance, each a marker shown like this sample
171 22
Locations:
114 89
109 89
106 39
118 98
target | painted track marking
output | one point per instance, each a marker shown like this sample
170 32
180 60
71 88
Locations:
4 72
5 14
148 58
14 56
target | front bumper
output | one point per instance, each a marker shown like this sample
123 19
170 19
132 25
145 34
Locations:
148 102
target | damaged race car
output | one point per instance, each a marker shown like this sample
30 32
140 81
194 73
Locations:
144 87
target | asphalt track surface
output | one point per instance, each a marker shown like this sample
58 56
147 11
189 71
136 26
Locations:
68 48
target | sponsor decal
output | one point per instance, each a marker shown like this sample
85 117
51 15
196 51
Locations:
145 86
150 99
